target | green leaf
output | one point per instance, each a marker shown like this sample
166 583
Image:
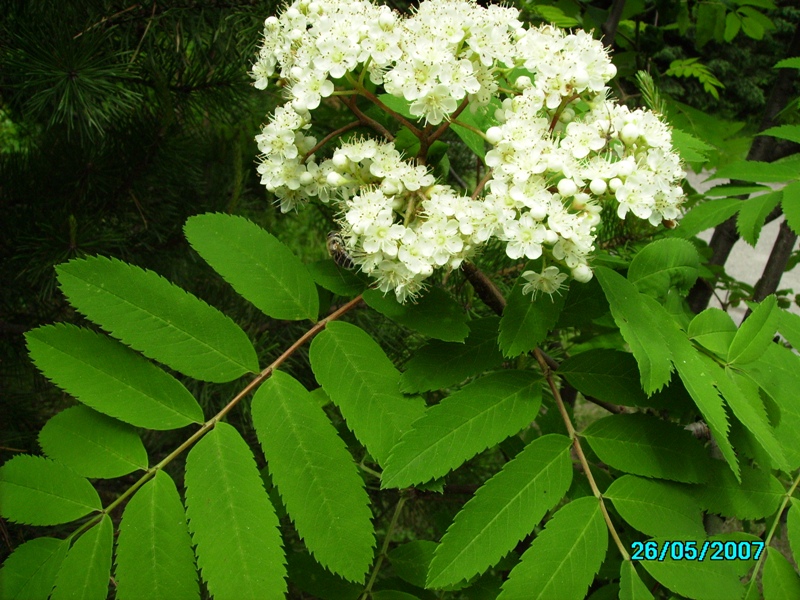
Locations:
710 18
780 580
696 378
157 318
757 172
631 586
472 139
791 205
398 105
564 558
315 476
86 570
605 374
714 330
154 550
731 189
756 333
644 445
411 561
706 215
476 417
526 321
637 326
311 578
690 148
788 63
756 497
700 580
656 508
439 364
793 527
742 396
360 379
503 511
38 491
256 264
110 378
91 444
232 521
327 274
554 15
778 373
436 314
753 213
30 572
732 25
784 132
664 264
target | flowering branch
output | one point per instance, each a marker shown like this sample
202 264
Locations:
351 104
330 136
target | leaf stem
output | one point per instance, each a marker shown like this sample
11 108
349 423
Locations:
771 534
397 510
579 451
472 128
209 425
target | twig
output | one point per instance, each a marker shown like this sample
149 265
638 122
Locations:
573 435
209 425
398 509
368 120
377 101
443 127
330 136
479 187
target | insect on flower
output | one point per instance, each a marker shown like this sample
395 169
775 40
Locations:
338 251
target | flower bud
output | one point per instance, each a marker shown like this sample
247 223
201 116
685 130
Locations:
339 160
494 135
335 179
567 187
615 184
630 133
582 273
598 187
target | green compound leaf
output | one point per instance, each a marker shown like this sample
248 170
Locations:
92 444
436 314
790 204
780 580
525 321
631 586
232 521
753 213
789 327
647 446
605 374
315 476
478 416
756 333
664 264
30 572
503 511
111 378
706 215
656 508
440 364
86 570
256 264
38 491
327 274
640 330
157 318
756 497
361 380
154 550
564 558
714 330
700 580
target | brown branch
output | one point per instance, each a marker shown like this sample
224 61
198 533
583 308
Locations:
776 264
443 127
609 28
481 184
377 101
369 121
330 136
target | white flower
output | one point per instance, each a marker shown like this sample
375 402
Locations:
549 281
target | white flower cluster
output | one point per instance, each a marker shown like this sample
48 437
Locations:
561 149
